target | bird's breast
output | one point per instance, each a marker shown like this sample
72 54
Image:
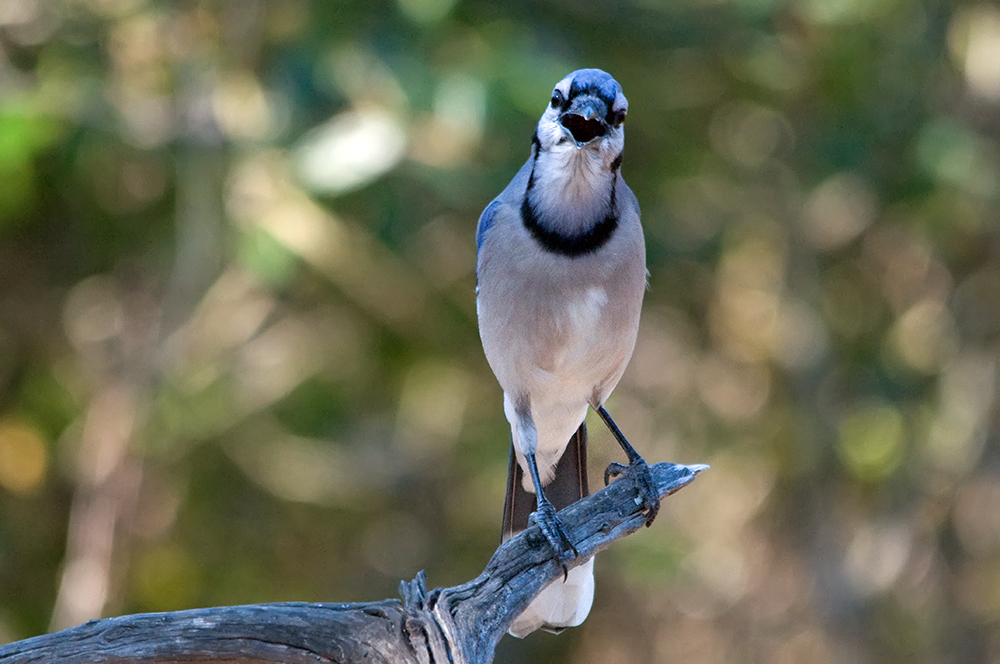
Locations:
582 313
556 327
572 343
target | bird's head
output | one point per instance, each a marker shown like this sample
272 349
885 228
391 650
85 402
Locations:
586 112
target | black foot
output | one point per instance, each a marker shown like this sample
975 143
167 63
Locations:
640 475
548 523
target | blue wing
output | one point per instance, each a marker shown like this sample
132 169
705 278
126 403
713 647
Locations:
486 220
503 209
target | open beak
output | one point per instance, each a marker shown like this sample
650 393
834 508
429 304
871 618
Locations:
584 121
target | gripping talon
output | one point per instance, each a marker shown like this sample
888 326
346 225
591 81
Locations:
639 473
545 517
643 478
547 521
637 468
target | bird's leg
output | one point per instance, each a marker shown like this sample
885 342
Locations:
545 516
637 468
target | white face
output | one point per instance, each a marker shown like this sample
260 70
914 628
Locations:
586 116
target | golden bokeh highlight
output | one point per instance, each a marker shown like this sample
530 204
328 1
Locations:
24 458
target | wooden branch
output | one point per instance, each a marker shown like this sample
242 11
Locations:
460 625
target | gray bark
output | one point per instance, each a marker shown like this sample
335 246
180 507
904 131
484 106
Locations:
459 625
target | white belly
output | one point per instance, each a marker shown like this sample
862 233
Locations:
561 379
557 333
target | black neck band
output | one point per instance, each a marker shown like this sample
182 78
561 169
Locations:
570 245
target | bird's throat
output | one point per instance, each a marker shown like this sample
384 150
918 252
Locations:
569 208
571 190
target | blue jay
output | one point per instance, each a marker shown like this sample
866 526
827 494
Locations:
560 276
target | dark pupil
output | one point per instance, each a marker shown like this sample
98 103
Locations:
556 98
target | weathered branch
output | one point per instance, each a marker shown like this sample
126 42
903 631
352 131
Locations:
461 625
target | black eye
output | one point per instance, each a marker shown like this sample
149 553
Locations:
557 99
616 118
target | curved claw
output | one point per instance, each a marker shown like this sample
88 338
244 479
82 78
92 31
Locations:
614 469
547 521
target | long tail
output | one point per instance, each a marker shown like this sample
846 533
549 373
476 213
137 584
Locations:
561 604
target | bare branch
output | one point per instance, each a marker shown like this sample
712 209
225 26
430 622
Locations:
460 625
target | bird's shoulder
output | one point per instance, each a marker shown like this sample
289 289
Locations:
505 207
626 200
488 219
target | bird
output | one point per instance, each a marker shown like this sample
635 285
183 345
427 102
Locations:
560 279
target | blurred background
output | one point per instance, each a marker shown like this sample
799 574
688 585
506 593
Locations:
239 360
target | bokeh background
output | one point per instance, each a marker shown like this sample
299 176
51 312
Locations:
238 351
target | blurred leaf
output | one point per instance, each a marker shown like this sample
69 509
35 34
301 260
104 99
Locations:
23 137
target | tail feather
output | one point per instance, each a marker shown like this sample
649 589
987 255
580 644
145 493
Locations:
561 604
